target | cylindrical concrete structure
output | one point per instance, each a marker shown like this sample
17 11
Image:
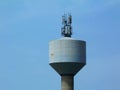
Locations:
67 55
67 50
67 83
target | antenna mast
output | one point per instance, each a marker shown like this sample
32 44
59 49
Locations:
66 30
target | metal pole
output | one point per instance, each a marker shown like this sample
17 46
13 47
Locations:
67 82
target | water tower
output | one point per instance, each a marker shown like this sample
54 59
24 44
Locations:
67 55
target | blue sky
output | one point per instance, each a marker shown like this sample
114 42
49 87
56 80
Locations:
27 26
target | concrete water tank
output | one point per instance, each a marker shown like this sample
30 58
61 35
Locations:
67 55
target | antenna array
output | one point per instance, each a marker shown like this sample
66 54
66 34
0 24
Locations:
66 30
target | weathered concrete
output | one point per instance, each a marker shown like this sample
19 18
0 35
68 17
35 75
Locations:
67 82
